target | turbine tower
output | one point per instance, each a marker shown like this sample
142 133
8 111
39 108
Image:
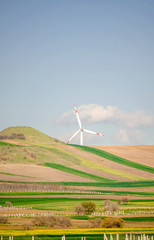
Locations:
81 130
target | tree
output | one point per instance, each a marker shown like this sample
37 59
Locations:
110 206
89 207
80 210
125 200
113 222
95 223
63 221
3 219
52 221
8 204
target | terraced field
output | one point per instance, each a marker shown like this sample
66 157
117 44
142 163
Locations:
40 158
41 175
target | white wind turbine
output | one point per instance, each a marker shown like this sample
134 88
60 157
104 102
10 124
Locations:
81 130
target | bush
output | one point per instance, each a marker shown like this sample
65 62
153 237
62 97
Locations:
86 225
95 223
3 137
28 226
89 207
52 221
80 210
110 206
17 136
8 204
112 222
125 200
21 136
33 155
40 221
3 219
63 221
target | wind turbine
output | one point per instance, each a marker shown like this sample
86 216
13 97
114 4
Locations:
81 130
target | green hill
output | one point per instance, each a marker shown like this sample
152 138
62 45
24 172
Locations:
27 134
29 155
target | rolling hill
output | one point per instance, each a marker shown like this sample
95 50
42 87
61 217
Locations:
27 155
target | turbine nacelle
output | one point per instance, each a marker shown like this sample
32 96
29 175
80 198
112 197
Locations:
81 130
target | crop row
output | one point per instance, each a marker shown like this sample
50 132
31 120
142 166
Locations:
77 172
115 158
96 192
96 231
117 184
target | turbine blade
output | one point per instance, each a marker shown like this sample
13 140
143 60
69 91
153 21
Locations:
81 138
77 115
73 136
88 131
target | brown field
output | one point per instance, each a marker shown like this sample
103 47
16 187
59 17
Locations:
143 154
34 173
88 162
136 152
19 222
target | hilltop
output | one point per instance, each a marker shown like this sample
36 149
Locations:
28 155
27 134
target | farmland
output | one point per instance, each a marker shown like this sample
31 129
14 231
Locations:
42 176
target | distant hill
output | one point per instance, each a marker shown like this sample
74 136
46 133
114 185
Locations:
28 134
28 155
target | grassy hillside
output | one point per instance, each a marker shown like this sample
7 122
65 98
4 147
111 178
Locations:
31 150
31 135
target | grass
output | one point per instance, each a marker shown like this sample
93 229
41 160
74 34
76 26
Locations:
68 159
31 134
115 158
139 219
42 193
8 144
139 184
89 164
77 172
47 150
132 219
96 192
15 175
58 204
121 193
66 203
130 184
69 237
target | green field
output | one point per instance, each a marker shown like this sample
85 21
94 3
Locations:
92 192
77 172
116 184
116 159
40 149
62 204
97 233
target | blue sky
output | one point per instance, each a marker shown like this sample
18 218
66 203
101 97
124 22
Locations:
95 54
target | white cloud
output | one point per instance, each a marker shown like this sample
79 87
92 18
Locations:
128 136
129 125
94 113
